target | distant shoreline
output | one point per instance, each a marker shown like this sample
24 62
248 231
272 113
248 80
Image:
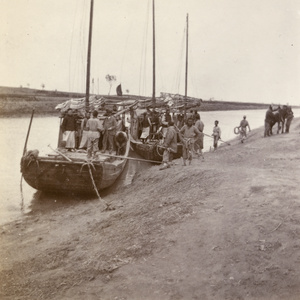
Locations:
40 112
19 102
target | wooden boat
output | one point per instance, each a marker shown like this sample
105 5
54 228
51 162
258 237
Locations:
71 172
152 150
54 173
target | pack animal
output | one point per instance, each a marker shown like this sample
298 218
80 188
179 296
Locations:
121 142
279 118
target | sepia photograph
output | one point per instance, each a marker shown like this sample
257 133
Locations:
150 149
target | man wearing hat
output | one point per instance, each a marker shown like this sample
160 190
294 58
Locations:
109 126
243 129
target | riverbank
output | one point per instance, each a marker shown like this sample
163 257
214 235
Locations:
223 228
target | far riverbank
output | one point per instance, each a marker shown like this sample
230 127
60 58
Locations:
18 102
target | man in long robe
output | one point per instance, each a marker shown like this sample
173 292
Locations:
69 127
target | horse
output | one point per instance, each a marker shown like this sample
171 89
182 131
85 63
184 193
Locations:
279 117
121 142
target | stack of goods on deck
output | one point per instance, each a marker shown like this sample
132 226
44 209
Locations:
178 101
95 103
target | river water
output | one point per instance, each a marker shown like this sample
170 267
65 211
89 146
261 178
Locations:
44 132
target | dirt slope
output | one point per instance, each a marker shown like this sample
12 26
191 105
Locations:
227 227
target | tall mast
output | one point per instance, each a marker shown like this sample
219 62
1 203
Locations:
186 62
153 20
88 70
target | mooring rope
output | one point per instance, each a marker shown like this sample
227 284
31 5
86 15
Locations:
22 196
89 164
92 178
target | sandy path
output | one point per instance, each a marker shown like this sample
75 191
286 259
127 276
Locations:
225 228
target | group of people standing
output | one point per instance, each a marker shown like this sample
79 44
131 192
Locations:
89 132
174 128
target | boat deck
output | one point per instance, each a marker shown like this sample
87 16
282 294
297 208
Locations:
81 156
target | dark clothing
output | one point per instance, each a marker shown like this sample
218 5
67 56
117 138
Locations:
269 119
69 123
269 116
168 117
289 121
145 122
154 118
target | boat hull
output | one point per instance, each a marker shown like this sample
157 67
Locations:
56 174
151 151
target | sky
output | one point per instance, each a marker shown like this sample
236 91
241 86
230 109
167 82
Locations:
239 50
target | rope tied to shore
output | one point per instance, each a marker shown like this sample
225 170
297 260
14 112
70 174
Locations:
90 164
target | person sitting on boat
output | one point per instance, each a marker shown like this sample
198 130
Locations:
68 127
169 145
243 129
94 127
84 131
145 122
109 127
188 133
